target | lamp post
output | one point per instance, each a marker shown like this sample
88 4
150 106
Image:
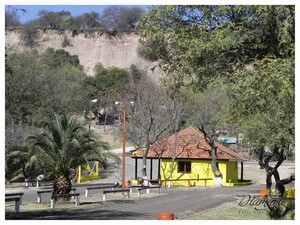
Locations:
123 107
90 113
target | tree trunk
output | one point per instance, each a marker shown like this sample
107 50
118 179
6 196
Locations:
213 152
62 185
144 169
214 163
105 119
271 171
280 185
210 140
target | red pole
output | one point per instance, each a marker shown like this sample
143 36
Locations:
124 146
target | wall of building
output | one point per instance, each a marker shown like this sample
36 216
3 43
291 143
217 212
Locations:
229 171
200 169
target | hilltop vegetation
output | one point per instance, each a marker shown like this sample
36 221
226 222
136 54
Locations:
113 19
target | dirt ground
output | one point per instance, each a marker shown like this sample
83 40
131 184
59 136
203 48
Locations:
258 176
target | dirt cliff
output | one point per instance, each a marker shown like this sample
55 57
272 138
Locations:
92 47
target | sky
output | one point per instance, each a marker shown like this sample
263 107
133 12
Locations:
75 10
79 7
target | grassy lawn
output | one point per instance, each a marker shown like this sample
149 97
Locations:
230 211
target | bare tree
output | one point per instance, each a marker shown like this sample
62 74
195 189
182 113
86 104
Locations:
120 18
154 117
12 18
208 108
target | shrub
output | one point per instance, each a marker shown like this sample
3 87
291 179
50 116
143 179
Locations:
65 42
29 34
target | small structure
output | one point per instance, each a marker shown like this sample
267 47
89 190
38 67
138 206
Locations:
88 173
184 159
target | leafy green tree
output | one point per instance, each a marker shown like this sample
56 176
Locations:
14 165
206 42
87 21
29 34
41 85
50 19
20 82
64 143
136 73
265 109
263 95
250 47
58 58
67 22
112 84
66 96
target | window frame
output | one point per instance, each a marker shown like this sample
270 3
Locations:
187 167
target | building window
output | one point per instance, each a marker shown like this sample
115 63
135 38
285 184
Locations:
184 167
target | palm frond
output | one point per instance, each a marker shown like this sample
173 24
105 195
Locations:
64 143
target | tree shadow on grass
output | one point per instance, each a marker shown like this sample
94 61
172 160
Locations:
100 214
108 202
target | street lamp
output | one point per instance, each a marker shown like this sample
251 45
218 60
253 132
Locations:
123 140
90 113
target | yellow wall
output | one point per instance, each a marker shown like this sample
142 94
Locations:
199 169
230 172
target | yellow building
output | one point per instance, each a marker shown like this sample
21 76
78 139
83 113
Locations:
192 161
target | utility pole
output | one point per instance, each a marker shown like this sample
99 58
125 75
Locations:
123 145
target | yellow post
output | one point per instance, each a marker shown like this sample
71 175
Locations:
97 168
79 174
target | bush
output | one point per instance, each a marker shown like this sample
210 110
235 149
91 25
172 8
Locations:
29 34
65 42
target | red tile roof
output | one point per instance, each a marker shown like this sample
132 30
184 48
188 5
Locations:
190 144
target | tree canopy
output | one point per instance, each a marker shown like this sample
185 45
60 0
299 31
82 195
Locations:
31 88
205 42
112 19
250 48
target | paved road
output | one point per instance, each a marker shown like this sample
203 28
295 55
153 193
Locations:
178 200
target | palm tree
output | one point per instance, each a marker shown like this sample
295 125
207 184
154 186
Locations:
63 144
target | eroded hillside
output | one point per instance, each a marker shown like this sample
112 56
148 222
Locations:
92 47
